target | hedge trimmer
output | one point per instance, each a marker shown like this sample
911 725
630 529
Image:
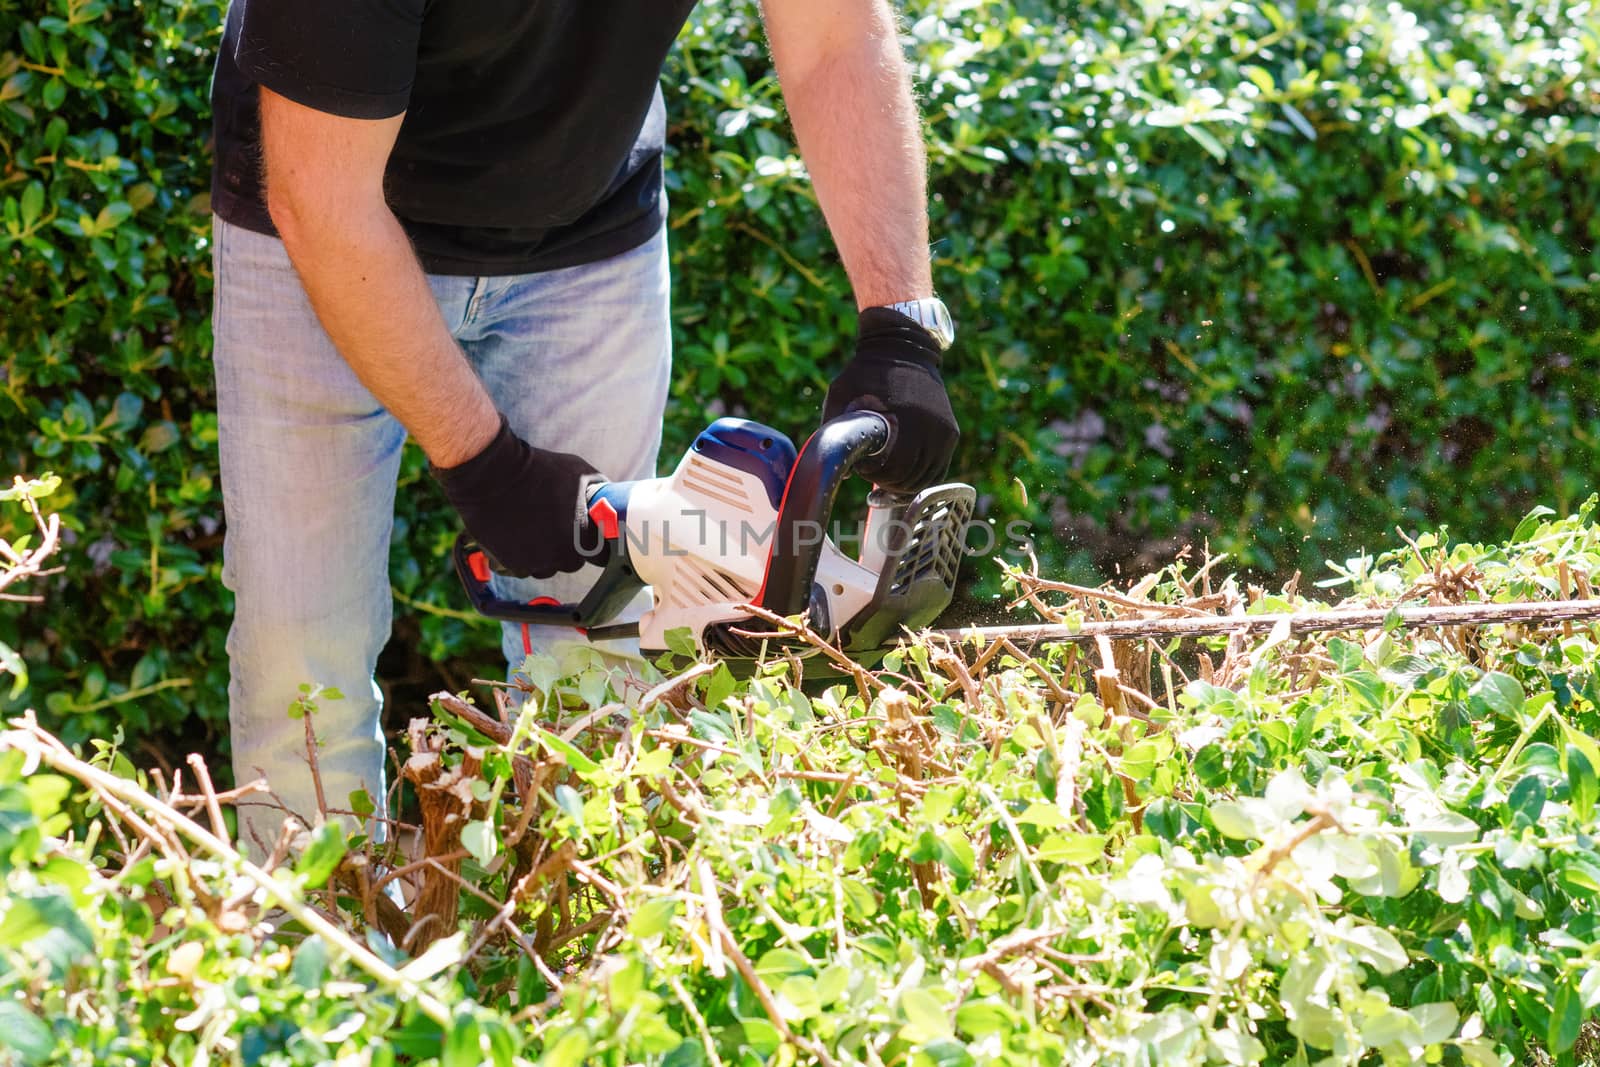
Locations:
744 520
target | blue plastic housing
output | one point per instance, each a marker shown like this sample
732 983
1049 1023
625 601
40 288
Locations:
750 447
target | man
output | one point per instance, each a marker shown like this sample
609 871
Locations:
447 218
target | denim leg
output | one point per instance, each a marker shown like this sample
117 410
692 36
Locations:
309 461
579 360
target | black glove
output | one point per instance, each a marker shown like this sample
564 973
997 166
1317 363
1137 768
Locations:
895 372
525 507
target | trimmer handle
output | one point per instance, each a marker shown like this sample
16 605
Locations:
825 461
610 593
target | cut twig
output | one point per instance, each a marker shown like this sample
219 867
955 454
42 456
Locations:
769 1004
445 797
1544 612
213 808
786 627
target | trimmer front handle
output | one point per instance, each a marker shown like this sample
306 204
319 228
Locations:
829 457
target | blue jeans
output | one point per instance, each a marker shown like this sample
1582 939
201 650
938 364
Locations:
578 360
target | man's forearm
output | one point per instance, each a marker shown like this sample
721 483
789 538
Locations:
849 95
374 301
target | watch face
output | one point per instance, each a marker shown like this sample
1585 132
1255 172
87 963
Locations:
931 314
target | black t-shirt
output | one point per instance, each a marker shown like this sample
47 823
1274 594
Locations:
533 128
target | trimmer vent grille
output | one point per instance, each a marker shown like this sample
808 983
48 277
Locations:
934 545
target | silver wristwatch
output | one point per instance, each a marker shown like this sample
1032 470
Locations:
931 314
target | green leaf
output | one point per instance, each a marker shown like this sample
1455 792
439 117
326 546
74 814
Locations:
944 1052
593 685
1260 76
33 914
653 917
1391 1028
111 216
1072 848
322 855
1377 948
1240 821
1478 1053
12 664
541 670
1437 1021
780 962
1531 522
626 982
680 639
568 800
479 838
462 1047
1498 694
1346 655
1446 828
1580 878
1140 760
978 1018
719 686
1540 754
1582 783
759 1034
797 996
361 803
310 964
569 752
1566 1019
1583 743
24 1033
32 204
861 903
833 983
1299 121
926 1018
567 1050
955 851
1205 140
1527 797
710 727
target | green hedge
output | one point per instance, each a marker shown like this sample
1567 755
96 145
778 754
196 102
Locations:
1277 277
1353 849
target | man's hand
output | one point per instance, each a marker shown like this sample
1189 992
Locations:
896 372
525 507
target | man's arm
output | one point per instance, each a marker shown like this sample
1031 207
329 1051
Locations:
849 95
325 196
523 505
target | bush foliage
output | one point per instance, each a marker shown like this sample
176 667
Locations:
1253 272
1372 846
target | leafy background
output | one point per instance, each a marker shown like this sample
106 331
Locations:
1276 277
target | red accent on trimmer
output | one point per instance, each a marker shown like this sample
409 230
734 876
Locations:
767 566
478 564
605 517
527 641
